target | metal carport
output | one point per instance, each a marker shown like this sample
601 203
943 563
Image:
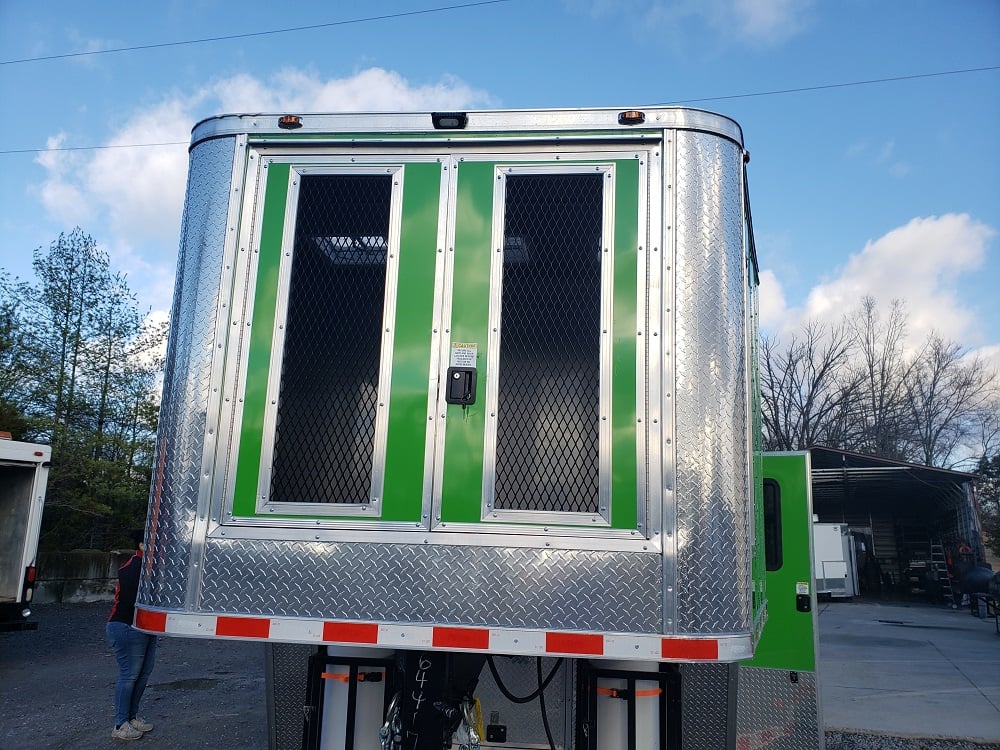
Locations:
902 515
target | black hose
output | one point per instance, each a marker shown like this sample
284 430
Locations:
542 684
541 702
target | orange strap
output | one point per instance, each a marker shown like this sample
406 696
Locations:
616 693
345 677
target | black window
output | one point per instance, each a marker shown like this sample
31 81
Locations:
772 525
548 415
325 431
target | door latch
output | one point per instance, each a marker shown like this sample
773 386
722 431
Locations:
461 388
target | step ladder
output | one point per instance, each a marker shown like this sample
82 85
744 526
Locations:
939 571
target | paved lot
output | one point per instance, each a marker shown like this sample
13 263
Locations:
886 671
57 685
916 670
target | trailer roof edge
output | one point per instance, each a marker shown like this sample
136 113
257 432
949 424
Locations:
479 122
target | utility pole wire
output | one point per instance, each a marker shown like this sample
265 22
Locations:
93 148
776 92
835 85
348 22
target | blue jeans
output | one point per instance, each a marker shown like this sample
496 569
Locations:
136 653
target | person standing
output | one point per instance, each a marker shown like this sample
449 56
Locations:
134 650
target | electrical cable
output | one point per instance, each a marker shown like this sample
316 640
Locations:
820 87
824 86
528 698
250 34
541 703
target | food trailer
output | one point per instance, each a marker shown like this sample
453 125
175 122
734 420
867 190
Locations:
454 393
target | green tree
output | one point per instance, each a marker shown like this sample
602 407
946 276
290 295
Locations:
87 371
988 494
12 353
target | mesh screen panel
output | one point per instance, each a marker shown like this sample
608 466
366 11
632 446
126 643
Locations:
324 439
548 404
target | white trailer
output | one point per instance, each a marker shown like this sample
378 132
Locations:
24 471
834 561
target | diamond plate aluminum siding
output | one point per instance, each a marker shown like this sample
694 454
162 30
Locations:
286 672
183 409
708 697
712 490
775 713
699 586
419 583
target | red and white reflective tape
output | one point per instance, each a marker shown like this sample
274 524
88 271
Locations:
447 638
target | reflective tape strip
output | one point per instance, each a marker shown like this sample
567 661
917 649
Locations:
635 646
351 632
584 644
154 621
242 627
470 638
690 649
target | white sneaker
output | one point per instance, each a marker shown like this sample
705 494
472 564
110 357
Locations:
141 724
126 732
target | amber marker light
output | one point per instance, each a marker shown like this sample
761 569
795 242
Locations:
631 117
289 122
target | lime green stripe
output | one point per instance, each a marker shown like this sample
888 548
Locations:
407 427
261 333
463 475
623 370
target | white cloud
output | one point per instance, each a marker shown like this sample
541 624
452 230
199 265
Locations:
770 21
920 263
897 169
884 158
757 23
61 196
372 89
130 199
773 307
989 354
80 43
142 189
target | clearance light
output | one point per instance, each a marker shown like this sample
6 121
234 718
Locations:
631 117
289 122
449 120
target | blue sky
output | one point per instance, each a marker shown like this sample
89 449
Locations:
890 189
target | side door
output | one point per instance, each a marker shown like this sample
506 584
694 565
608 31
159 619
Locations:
371 279
778 702
545 288
331 376
790 636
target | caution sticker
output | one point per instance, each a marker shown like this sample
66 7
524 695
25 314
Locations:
463 355
802 587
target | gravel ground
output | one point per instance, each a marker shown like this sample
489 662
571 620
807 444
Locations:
845 741
57 688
